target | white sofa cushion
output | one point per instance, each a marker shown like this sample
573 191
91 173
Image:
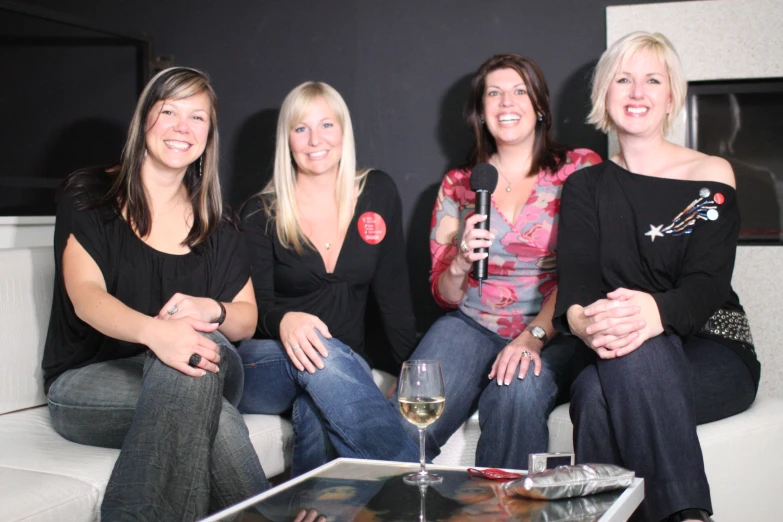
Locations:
50 478
41 497
273 439
26 280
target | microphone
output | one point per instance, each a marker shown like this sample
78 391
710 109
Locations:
483 180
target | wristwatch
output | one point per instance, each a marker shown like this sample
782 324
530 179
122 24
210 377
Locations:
538 332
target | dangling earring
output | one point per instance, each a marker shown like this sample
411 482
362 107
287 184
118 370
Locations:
201 166
540 117
482 120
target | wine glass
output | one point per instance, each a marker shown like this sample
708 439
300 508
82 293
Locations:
422 398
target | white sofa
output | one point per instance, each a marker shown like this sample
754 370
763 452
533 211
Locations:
44 477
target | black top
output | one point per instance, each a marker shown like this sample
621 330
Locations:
287 282
138 275
674 239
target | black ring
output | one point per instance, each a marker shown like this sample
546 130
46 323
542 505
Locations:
194 360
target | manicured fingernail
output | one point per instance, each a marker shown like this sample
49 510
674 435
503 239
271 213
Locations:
507 383
217 369
203 373
484 256
491 235
537 374
500 383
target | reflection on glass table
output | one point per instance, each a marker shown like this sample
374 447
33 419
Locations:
374 491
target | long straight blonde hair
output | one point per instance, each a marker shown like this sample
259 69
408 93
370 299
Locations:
279 196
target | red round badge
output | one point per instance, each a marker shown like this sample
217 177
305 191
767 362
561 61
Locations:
719 199
372 227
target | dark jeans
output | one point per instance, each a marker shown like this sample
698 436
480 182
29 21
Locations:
337 410
185 447
640 411
513 418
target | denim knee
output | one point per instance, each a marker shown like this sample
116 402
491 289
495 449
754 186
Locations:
533 396
659 361
340 362
586 392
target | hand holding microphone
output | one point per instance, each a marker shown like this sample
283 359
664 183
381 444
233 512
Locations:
476 237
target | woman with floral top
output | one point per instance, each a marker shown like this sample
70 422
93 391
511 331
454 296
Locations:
497 349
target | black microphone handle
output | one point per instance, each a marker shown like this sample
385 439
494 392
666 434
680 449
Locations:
482 207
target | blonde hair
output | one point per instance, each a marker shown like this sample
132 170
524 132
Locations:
279 197
611 61
201 177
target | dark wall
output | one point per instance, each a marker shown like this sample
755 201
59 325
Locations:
401 65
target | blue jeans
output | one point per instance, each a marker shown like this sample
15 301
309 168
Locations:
336 410
513 418
185 449
640 411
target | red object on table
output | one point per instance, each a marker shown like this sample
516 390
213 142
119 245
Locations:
493 474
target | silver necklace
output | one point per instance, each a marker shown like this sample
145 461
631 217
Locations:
508 187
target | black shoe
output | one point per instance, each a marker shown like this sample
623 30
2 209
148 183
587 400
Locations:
689 514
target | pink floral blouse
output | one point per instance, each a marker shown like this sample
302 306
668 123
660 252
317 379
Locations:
522 259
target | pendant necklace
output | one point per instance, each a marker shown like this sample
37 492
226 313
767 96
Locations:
508 187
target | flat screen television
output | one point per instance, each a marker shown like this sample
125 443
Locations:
66 98
742 121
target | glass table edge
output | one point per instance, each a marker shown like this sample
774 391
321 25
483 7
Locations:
301 478
634 493
626 503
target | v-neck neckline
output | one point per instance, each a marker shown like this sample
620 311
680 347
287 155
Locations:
516 225
351 226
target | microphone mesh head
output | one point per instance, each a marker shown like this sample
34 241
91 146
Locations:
484 177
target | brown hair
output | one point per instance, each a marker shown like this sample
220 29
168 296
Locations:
121 186
547 154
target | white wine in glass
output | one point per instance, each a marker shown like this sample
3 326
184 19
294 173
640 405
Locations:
422 399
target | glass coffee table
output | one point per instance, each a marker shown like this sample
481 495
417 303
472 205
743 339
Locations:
373 491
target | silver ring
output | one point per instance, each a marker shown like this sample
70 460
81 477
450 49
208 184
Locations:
464 247
527 354
173 309
295 347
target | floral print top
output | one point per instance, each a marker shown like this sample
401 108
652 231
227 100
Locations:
522 259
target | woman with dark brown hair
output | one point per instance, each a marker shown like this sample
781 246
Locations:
152 284
505 332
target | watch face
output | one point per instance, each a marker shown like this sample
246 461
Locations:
538 332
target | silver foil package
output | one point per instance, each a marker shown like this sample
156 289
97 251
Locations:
571 481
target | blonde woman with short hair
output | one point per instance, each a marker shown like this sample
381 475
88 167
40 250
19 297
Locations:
647 246
321 235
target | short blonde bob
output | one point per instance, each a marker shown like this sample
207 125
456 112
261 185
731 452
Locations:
611 61
279 196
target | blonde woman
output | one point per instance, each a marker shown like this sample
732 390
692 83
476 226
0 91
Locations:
647 246
321 235
152 283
